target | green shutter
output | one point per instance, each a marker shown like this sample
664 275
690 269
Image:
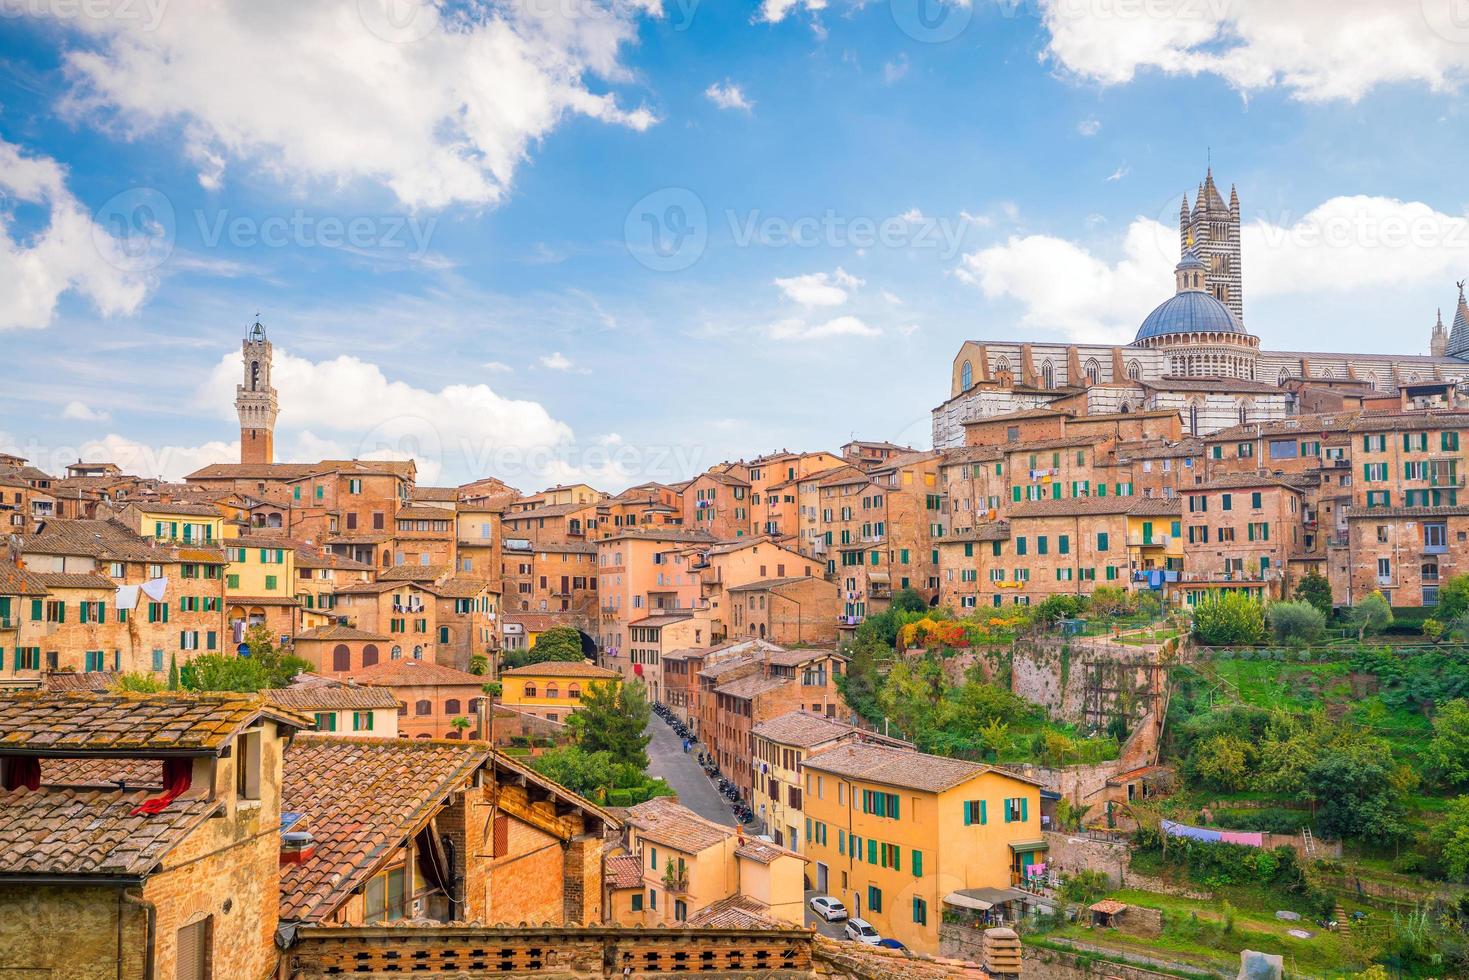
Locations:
1024 808
37 610
1007 811
871 851
917 864
967 814
983 812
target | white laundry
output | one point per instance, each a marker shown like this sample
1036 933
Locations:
155 588
127 597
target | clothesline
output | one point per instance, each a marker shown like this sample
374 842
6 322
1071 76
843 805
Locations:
1243 837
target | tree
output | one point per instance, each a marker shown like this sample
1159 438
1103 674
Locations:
138 684
1453 598
613 718
1371 615
559 643
492 688
1448 751
1315 588
461 723
173 672
225 672
280 667
1354 797
1295 622
1084 887
586 773
479 664
1223 762
1229 617
908 601
1450 836
1110 600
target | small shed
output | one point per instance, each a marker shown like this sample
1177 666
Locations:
1107 912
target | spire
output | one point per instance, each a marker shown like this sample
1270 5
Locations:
1438 342
1459 333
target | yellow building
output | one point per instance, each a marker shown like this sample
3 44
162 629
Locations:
688 865
178 523
551 690
780 745
891 832
260 585
1154 534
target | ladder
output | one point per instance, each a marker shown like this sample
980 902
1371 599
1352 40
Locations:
1308 842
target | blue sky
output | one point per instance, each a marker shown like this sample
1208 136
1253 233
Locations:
443 215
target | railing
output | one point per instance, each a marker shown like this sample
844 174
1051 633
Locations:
1435 549
1138 541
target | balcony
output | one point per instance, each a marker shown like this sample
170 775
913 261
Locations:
1154 541
1435 549
677 881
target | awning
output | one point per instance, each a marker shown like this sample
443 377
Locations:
1020 847
881 577
984 899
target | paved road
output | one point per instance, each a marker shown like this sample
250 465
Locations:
831 929
666 760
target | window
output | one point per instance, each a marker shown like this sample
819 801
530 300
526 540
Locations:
637 902
920 911
423 707
361 721
974 812
193 953
341 657
874 894
384 896
1017 810
326 721
451 706
880 804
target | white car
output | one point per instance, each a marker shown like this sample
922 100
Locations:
828 908
861 931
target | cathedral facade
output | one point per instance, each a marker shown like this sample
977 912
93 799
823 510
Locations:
1192 354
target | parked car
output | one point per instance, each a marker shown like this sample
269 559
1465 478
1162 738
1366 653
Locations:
828 908
861 931
891 944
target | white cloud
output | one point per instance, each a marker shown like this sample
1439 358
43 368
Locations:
728 96
893 71
556 361
168 462
892 298
347 407
70 254
820 288
909 329
439 106
1119 173
775 11
798 329
1089 127
499 367
1346 242
80 412
913 216
1316 51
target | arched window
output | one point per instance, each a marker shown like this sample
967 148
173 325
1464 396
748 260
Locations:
1134 370
1003 365
529 689
341 657
1048 375
369 655
1193 419
402 709
452 733
418 653
573 692
397 653
552 691
966 376
422 735
254 375
1093 370
451 706
1244 413
1283 377
423 707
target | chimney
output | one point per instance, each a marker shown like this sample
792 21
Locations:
1001 956
298 847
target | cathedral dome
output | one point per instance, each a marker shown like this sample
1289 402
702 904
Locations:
1189 312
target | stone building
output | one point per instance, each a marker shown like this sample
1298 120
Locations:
1192 354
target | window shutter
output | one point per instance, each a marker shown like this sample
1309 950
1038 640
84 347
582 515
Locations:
968 814
502 836
871 851
983 814
1007 811
1024 808
36 610
918 864
165 612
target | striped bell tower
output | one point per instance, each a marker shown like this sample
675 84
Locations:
255 400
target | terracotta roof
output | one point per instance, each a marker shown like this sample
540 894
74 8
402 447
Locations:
623 871
254 471
1157 507
561 668
990 531
37 723
1025 413
413 573
378 538
419 512
1354 513
972 454
844 474
1212 385
1061 442
752 686
802 729
459 587
1410 421
796 656
1072 507
537 622
306 558
440 494
71 680
91 833
74 580
361 798
671 533
765 584
409 672
336 632
1159 449
663 820
899 767
177 509
103 773
95 539
764 852
734 912
368 588
331 697
262 600
15 580
1236 481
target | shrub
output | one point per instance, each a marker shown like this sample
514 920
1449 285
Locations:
1229 617
1315 589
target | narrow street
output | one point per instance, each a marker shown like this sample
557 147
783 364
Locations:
667 760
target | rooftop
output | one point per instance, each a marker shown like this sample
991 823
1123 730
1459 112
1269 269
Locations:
408 672
345 633
561 668
623 871
899 767
334 696
663 820
52 723
802 729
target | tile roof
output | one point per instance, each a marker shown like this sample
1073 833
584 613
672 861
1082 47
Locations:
896 767
802 729
663 820
361 798
408 672
796 656
424 512
413 573
337 632
331 697
560 668
34 722
95 539
440 494
1295 425
1072 507
178 509
15 580
663 619
255 471
763 852
91 833
1235 481
623 871
1354 513
990 531
1024 413
74 580
1407 422
459 587
1213 385
71 680
753 686
1156 507
306 558
765 584
1061 442
103 773
735 912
